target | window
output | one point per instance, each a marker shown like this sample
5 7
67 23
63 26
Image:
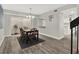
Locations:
1 17
42 23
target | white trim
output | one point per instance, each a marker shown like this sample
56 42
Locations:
58 38
16 13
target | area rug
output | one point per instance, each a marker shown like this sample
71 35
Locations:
25 45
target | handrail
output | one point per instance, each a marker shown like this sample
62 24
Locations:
74 24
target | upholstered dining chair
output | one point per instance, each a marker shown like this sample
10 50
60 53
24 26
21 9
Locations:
23 37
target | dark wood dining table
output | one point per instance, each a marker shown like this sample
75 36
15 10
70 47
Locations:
29 35
33 33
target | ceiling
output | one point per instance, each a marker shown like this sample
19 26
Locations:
72 12
36 8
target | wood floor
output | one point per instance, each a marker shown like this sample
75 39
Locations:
50 46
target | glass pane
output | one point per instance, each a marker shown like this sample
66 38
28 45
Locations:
1 16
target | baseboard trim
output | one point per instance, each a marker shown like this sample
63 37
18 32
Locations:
58 38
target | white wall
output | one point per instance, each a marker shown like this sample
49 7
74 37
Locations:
12 20
20 22
7 25
54 29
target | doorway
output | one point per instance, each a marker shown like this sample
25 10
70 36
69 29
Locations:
68 15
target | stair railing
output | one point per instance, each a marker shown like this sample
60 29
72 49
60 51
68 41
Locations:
74 24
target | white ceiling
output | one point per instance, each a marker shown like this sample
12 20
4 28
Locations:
70 12
36 8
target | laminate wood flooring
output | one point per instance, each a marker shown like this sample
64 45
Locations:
11 45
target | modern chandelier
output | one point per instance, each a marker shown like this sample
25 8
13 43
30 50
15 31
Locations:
30 16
